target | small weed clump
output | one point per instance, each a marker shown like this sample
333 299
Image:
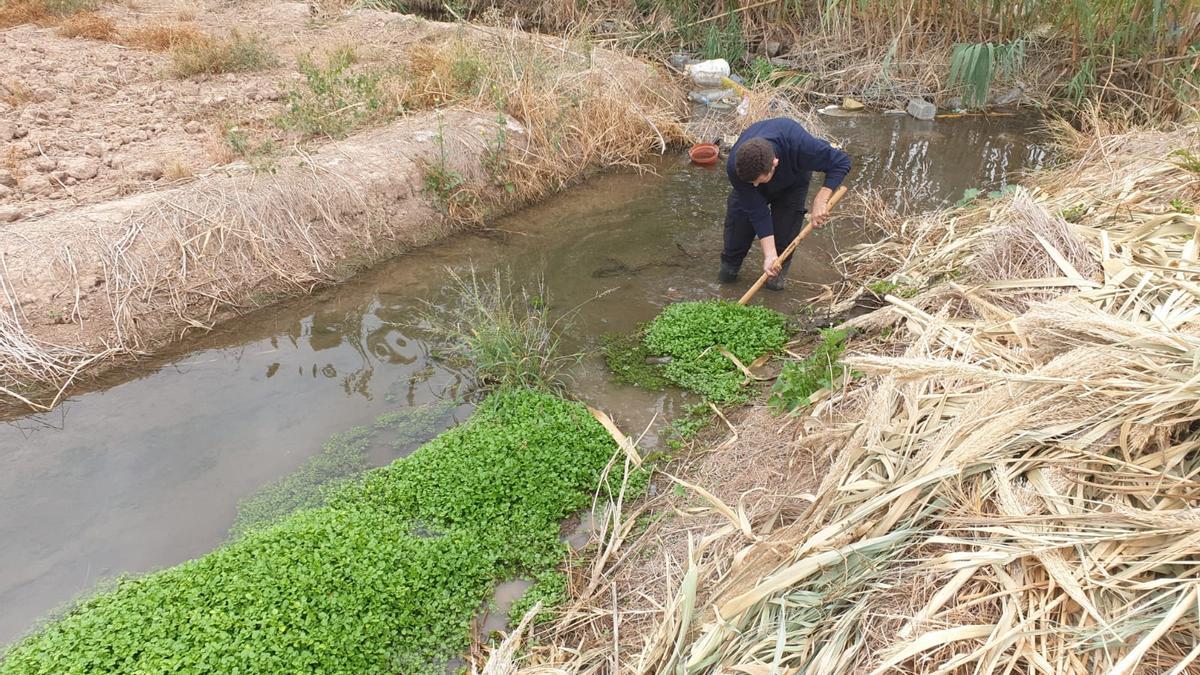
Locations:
695 418
88 25
232 54
385 577
1073 214
444 184
161 37
801 379
882 287
507 332
1184 159
335 99
693 334
1180 206
239 142
42 12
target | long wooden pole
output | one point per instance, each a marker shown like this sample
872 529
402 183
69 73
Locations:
837 197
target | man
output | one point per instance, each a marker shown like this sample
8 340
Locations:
770 167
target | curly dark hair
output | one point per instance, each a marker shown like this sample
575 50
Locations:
753 159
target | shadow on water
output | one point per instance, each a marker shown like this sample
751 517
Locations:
147 470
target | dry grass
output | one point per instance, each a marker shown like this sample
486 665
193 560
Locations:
42 12
1013 485
176 170
17 12
232 54
161 37
88 25
576 106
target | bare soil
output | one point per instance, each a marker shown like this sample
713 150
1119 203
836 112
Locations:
127 218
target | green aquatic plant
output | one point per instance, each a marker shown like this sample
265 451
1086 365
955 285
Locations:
694 334
630 361
682 429
385 577
549 588
799 380
408 426
505 330
342 458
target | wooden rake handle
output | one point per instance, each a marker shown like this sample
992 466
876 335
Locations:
762 279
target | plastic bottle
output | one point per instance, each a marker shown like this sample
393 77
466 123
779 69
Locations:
708 73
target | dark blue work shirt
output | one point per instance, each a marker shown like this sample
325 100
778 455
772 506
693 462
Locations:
799 154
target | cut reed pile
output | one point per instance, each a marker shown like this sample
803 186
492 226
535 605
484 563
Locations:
1014 477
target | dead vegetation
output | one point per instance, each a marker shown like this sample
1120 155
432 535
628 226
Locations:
1011 480
233 53
42 12
88 25
163 37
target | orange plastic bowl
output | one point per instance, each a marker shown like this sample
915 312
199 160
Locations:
704 154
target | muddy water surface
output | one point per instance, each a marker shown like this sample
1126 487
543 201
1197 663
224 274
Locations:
147 471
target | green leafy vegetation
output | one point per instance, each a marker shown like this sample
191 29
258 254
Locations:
972 194
974 67
383 578
232 54
626 356
506 331
694 419
1180 206
801 379
549 588
336 98
882 287
443 183
342 458
1073 214
693 334
1184 159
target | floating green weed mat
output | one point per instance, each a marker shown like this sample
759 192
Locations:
627 357
693 334
351 587
417 424
342 458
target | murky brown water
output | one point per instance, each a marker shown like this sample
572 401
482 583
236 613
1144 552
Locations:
147 472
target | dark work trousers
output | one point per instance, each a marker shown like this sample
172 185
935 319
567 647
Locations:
787 214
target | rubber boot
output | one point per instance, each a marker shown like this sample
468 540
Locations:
728 273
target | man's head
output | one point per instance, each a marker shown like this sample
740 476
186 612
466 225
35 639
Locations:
755 161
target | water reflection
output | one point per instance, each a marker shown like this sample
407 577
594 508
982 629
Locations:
931 163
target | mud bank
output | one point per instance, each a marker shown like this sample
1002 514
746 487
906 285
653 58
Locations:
128 275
